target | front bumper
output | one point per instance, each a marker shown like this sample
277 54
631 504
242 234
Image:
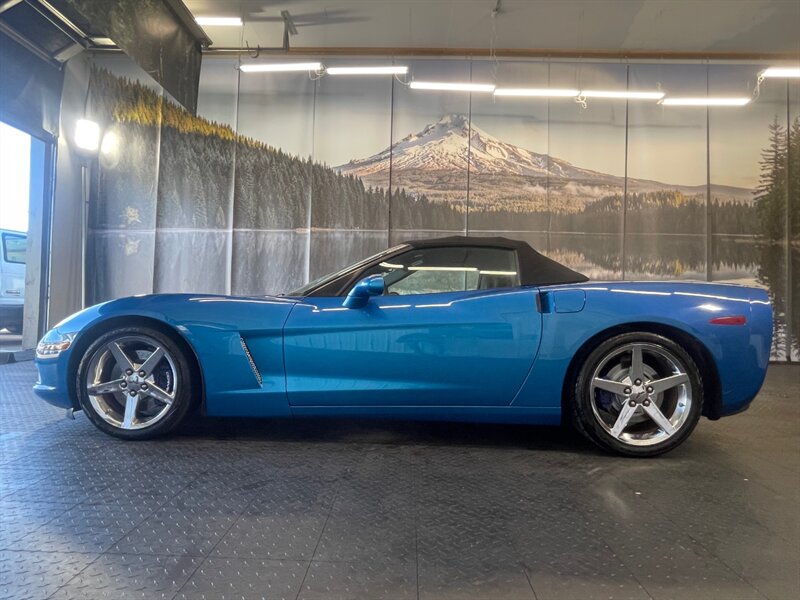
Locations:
52 395
52 385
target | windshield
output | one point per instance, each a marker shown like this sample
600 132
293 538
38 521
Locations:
320 281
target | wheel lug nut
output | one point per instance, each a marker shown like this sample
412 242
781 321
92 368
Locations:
144 386
142 373
649 389
637 382
632 403
124 384
133 392
646 402
627 390
128 372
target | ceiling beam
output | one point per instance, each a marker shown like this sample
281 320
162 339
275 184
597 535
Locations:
511 53
58 20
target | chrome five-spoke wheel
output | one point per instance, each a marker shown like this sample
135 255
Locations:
133 382
640 394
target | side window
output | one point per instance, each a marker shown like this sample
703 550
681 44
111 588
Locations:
448 269
14 248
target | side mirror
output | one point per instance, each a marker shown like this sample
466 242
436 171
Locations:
359 295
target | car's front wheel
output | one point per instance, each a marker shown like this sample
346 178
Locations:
638 394
135 383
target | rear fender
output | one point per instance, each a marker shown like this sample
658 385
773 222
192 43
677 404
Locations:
739 353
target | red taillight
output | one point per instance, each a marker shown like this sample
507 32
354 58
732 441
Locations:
734 320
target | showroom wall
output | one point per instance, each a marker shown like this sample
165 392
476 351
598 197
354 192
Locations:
282 177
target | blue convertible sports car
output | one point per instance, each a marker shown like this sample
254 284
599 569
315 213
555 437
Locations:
460 328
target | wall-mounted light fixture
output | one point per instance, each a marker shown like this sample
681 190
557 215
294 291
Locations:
87 135
387 70
279 67
452 87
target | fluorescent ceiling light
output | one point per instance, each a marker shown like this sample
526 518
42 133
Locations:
497 272
629 95
274 67
390 265
781 72
536 92
451 87
219 21
389 70
102 41
706 101
459 269
87 135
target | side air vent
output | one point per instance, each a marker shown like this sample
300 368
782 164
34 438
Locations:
250 360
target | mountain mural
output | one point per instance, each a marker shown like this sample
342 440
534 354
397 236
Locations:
432 162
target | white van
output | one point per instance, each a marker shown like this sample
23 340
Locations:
12 279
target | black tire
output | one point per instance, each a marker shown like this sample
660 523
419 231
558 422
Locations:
184 391
586 419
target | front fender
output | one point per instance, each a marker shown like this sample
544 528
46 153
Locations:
213 327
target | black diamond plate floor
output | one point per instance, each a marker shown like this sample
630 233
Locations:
328 510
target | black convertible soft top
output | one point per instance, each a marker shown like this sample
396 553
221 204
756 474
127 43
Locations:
534 268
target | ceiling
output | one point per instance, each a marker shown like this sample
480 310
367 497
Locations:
701 27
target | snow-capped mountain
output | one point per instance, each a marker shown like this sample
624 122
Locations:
451 141
432 162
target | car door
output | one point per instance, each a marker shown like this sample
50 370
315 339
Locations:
453 328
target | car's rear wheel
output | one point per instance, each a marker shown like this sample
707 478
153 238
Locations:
135 383
638 394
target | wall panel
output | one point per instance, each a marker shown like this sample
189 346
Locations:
123 179
748 223
429 155
508 160
195 188
352 136
665 221
273 182
587 156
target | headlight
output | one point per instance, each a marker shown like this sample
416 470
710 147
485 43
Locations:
53 344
